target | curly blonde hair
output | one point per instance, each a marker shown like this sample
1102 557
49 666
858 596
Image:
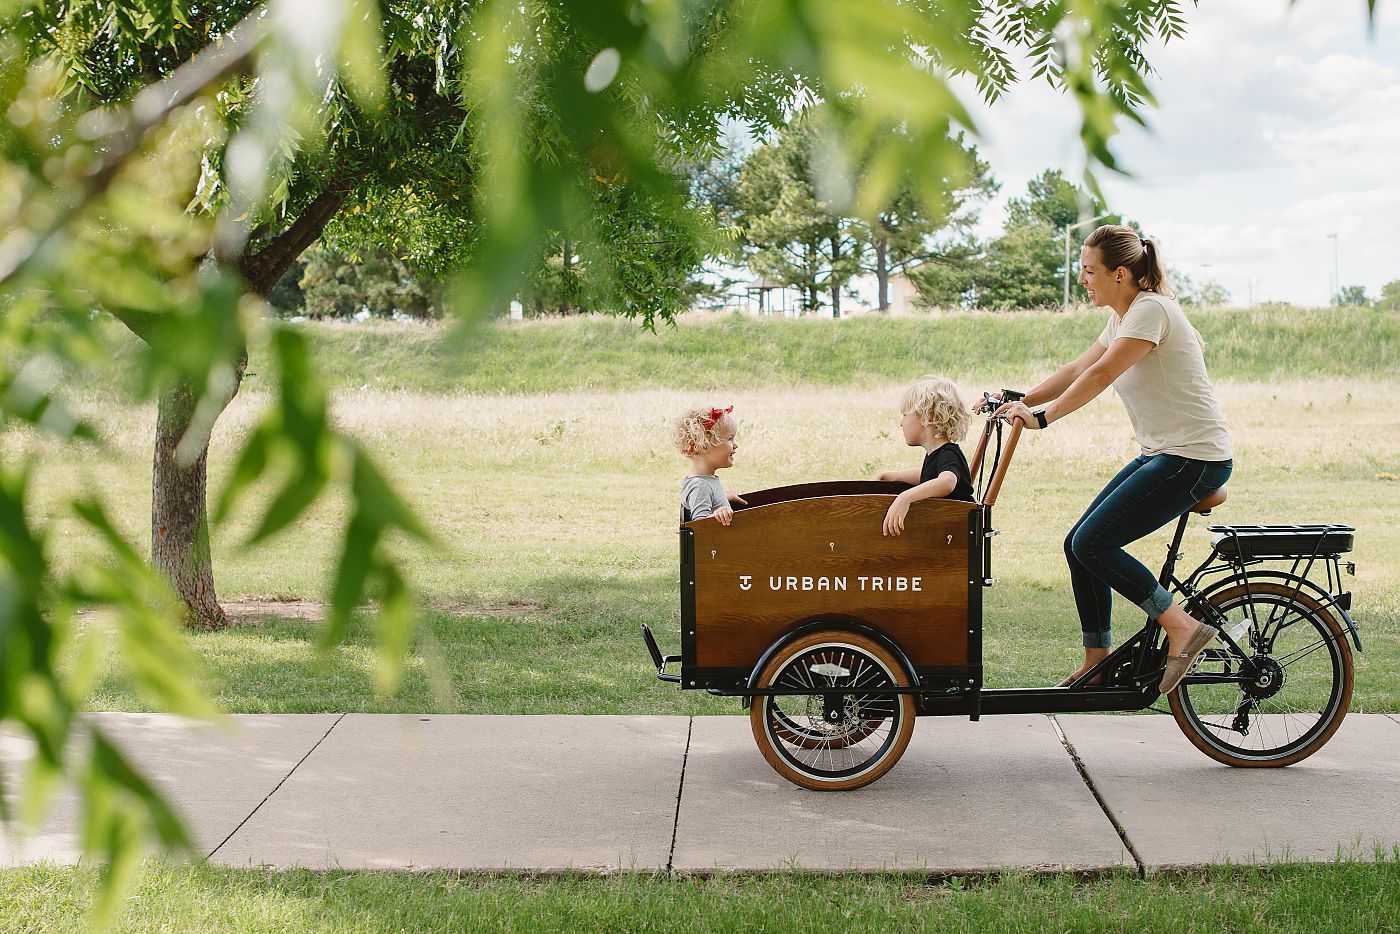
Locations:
692 436
939 406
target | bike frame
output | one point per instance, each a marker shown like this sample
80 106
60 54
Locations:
1130 674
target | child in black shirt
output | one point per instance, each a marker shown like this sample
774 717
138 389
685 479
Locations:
935 418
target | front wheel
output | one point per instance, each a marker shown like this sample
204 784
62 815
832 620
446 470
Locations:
1288 700
839 732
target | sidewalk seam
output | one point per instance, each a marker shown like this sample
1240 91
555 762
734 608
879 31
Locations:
334 724
1103 805
680 789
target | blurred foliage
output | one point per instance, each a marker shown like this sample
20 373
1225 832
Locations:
1021 268
1191 291
908 233
167 163
1056 202
1390 296
1352 296
378 283
794 236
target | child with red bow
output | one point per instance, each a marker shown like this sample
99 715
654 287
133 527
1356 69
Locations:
707 437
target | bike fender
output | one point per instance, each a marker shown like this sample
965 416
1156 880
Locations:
842 625
1304 584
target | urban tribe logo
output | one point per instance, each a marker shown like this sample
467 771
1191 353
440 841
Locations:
865 583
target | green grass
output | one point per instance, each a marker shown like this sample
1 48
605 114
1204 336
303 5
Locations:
741 352
1343 897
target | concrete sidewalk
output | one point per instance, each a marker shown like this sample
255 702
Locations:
688 794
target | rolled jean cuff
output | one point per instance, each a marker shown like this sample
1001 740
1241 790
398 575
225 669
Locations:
1157 604
1098 640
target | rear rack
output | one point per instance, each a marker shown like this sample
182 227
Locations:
1281 541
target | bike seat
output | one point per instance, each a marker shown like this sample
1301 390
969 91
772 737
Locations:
1210 502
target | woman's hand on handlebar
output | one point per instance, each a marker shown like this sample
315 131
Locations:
1017 412
988 403
994 400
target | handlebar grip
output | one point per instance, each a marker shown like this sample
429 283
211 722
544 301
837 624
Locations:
1007 395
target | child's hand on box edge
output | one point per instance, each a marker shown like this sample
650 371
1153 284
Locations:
724 514
894 517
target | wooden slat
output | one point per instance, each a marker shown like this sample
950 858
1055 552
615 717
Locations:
803 542
782 494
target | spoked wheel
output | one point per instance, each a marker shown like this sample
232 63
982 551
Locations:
1299 690
836 735
813 732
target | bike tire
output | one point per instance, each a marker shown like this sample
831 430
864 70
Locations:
1201 708
875 728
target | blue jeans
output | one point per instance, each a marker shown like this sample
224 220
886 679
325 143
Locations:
1147 494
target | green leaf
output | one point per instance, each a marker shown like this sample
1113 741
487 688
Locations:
356 560
394 627
293 499
119 808
377 501
111 767
248 469
161 664
362 62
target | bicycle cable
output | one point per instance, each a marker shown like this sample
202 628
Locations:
996 459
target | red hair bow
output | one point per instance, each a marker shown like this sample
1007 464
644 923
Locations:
716 415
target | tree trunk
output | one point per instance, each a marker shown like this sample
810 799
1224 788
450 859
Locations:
179 516
882 273
179 513
835 283
567 255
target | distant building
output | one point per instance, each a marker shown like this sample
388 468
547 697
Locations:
766 296
902 294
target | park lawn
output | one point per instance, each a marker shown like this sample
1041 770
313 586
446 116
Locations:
730 352
555 519
1347 896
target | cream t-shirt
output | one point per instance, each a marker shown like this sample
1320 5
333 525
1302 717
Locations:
1169 399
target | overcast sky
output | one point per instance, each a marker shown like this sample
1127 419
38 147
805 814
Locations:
1275 127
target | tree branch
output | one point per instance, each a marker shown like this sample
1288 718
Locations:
262 269
121 136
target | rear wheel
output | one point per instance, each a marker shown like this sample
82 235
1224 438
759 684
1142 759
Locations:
839 732
1283 705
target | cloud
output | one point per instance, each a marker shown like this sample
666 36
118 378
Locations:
1277 124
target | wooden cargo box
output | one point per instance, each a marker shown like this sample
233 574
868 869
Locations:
817 552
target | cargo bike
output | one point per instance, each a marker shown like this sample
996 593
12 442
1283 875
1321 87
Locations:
835 636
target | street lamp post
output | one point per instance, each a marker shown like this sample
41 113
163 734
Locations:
1068 228
1336 276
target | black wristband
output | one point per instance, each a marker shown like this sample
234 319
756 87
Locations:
1040 418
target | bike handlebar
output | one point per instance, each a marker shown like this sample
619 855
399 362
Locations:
1003 455
987 405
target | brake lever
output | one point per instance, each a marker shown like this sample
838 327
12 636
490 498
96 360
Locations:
988 406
